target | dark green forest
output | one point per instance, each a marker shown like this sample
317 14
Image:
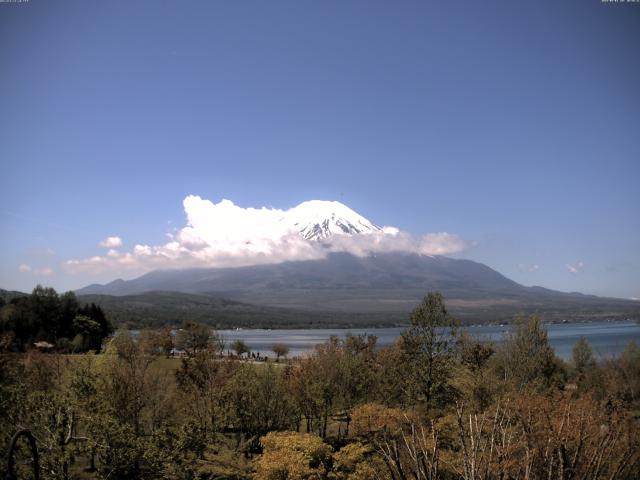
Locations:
59 322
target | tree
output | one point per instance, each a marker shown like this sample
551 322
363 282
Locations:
201 381
623 375
630 367
336 377
355 373
292 456
526 357
473 378
156 342
166 342
408 447
428 345
372 420
195 337
280 349
582 357
96 313
44 307
68 310
259 402
240 347
88 334
306 391
44 409
322 383
296 456
134 410
357 461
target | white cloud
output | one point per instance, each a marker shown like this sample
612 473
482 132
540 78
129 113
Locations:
38 272
224 234
575 268
528 268
111 242
442 243
43 272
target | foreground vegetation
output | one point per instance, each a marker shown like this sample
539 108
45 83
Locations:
436 404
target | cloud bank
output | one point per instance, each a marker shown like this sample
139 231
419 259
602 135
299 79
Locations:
226 235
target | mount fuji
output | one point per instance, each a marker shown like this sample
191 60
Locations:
377 284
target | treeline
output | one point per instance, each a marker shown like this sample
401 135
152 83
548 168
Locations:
51 321
437 404
158 309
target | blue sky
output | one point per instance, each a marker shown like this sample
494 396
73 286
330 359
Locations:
513 125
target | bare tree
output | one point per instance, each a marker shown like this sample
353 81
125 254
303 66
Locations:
280 349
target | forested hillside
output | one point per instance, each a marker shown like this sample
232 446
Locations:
156 309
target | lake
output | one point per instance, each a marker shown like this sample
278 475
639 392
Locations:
606 338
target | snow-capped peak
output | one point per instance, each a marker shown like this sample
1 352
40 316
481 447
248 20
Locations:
320 219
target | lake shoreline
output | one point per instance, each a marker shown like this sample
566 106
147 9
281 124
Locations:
606 337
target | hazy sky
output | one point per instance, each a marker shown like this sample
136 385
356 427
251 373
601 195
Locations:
514 126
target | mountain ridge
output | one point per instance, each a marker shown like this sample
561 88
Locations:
390 283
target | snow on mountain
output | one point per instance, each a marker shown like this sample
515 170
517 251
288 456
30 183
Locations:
226 235
320 220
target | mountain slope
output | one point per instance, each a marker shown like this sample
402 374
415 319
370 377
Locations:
390 283
155 309
338 272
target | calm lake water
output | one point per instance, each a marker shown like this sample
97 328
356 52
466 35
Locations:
606 338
